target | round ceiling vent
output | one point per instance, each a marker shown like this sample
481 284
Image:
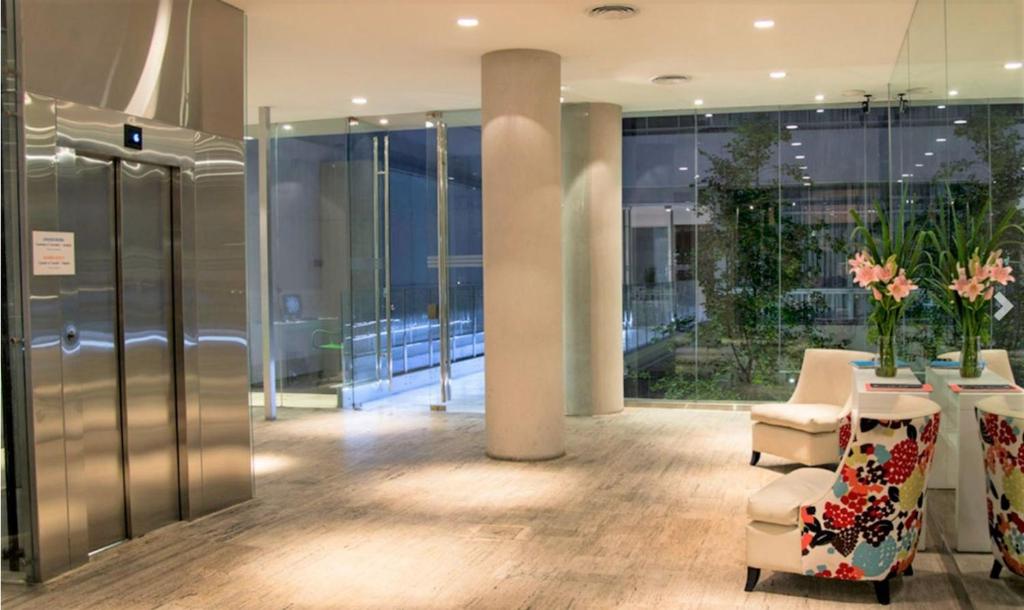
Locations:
670 79
613 11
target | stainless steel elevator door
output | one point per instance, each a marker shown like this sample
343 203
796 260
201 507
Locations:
90 350
147 318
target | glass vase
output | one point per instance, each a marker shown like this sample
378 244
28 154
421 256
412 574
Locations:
970 364
886 356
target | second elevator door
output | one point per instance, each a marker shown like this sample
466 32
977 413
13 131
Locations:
119 345
147 343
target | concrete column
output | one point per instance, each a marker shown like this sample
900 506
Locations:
522 198
592 257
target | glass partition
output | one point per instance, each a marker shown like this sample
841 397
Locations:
736 232
958 144
354 259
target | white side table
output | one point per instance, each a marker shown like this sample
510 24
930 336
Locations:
961 444
880 403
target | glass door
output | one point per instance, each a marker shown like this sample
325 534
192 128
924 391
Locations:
395 341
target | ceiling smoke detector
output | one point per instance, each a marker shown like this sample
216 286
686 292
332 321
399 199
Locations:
613 11
671 79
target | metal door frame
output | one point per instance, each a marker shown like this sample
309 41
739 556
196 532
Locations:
56 447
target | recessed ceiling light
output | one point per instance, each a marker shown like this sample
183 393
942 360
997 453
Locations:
708 115
286 127
249 138
429 124
1013 65
960 122
764 24
670 79
561 100
777 74
941 106
820 110
613 11
468 22
792 126
807 184
919 165
929 154
698 102
359 100
800 157
820 97
940 139
353 122
683 168
383 121
904 175
796 143
953 93
806 178
803 167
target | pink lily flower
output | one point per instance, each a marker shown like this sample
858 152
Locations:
859 260
885 273
901 287
863 276
978 270
959 285
876 293
1001 274
990 293
973 290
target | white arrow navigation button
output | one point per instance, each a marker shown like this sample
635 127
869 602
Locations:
1004 306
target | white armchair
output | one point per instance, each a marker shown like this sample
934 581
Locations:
805 429
860 522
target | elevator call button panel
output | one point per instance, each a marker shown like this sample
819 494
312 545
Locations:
133 137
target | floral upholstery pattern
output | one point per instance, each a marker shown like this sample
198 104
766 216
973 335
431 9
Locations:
845 431
867 525
1002 440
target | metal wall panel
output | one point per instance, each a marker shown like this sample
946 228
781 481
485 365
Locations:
176 61
53 503
85 188
226 433
147 360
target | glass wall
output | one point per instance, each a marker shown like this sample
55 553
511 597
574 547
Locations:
736 235
737 224
354 257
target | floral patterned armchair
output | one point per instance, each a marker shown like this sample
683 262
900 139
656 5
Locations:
861 522
1001 424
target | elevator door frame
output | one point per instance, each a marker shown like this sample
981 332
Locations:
208 190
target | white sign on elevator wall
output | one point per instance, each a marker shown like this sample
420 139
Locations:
53 253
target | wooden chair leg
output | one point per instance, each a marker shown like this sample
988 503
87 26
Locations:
754 457
997 568
882 591
753 574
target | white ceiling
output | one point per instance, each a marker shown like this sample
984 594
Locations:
308 58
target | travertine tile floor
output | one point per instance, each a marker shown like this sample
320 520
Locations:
400 509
